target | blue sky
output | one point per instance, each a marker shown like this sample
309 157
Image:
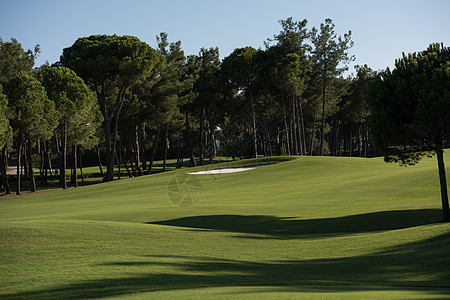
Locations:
381 30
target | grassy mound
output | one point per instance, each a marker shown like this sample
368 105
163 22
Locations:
311 227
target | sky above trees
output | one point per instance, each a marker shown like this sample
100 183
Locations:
381 30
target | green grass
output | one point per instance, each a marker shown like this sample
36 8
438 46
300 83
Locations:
312 227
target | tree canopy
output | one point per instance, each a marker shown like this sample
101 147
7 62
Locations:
410 109
111 64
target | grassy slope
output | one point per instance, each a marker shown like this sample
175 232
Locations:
332 227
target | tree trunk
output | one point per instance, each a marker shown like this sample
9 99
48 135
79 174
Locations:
166 146
288 148
119 171
322 131
131 161
19 154
49 162
212 138
109 151
25 159
443 183
293 128
30 165
301 138
75 175
201 133
142 146
255 141
81 164
137 150
350 144
311 147
192 162
302 123
99 161
180 157
63 165
149 170
122 155
42 156
3 168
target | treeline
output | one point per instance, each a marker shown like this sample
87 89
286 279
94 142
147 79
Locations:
117 97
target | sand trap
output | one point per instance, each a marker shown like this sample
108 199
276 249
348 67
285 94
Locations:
224 171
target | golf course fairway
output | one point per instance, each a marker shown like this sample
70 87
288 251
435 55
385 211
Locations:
312 227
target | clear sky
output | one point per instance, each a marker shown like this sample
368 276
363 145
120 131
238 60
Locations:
381 30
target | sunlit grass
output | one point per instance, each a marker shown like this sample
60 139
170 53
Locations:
312 227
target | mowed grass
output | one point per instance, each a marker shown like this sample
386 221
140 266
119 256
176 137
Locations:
314 227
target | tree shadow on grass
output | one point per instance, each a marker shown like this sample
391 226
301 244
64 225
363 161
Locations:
418 266
276 227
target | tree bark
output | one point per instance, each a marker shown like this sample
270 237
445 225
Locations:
201 134
255 141
81 164
41 151
212 138
192 162
19 154
30 165
166 146
118 167
122 155
350 144
311 147
322 131
99 161
131 161
75 175
443 183
137 150
149 170
3 167
294 127
49 162
63 165
24 158
109 152
288 148
142 146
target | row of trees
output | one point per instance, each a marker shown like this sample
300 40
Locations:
133 102
289 98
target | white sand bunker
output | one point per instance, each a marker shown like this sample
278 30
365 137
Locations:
228 170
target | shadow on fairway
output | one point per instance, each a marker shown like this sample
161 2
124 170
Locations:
275 227
418 267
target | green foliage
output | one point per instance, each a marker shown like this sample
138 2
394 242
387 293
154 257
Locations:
100 59
240 67
410 106
30 109
329 50
14 59
5 129
75 103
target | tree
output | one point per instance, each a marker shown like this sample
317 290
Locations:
76 108
241 69
32 114
410 110
110 65
328 53
5 129
209 102
290 75
13 59
5 133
